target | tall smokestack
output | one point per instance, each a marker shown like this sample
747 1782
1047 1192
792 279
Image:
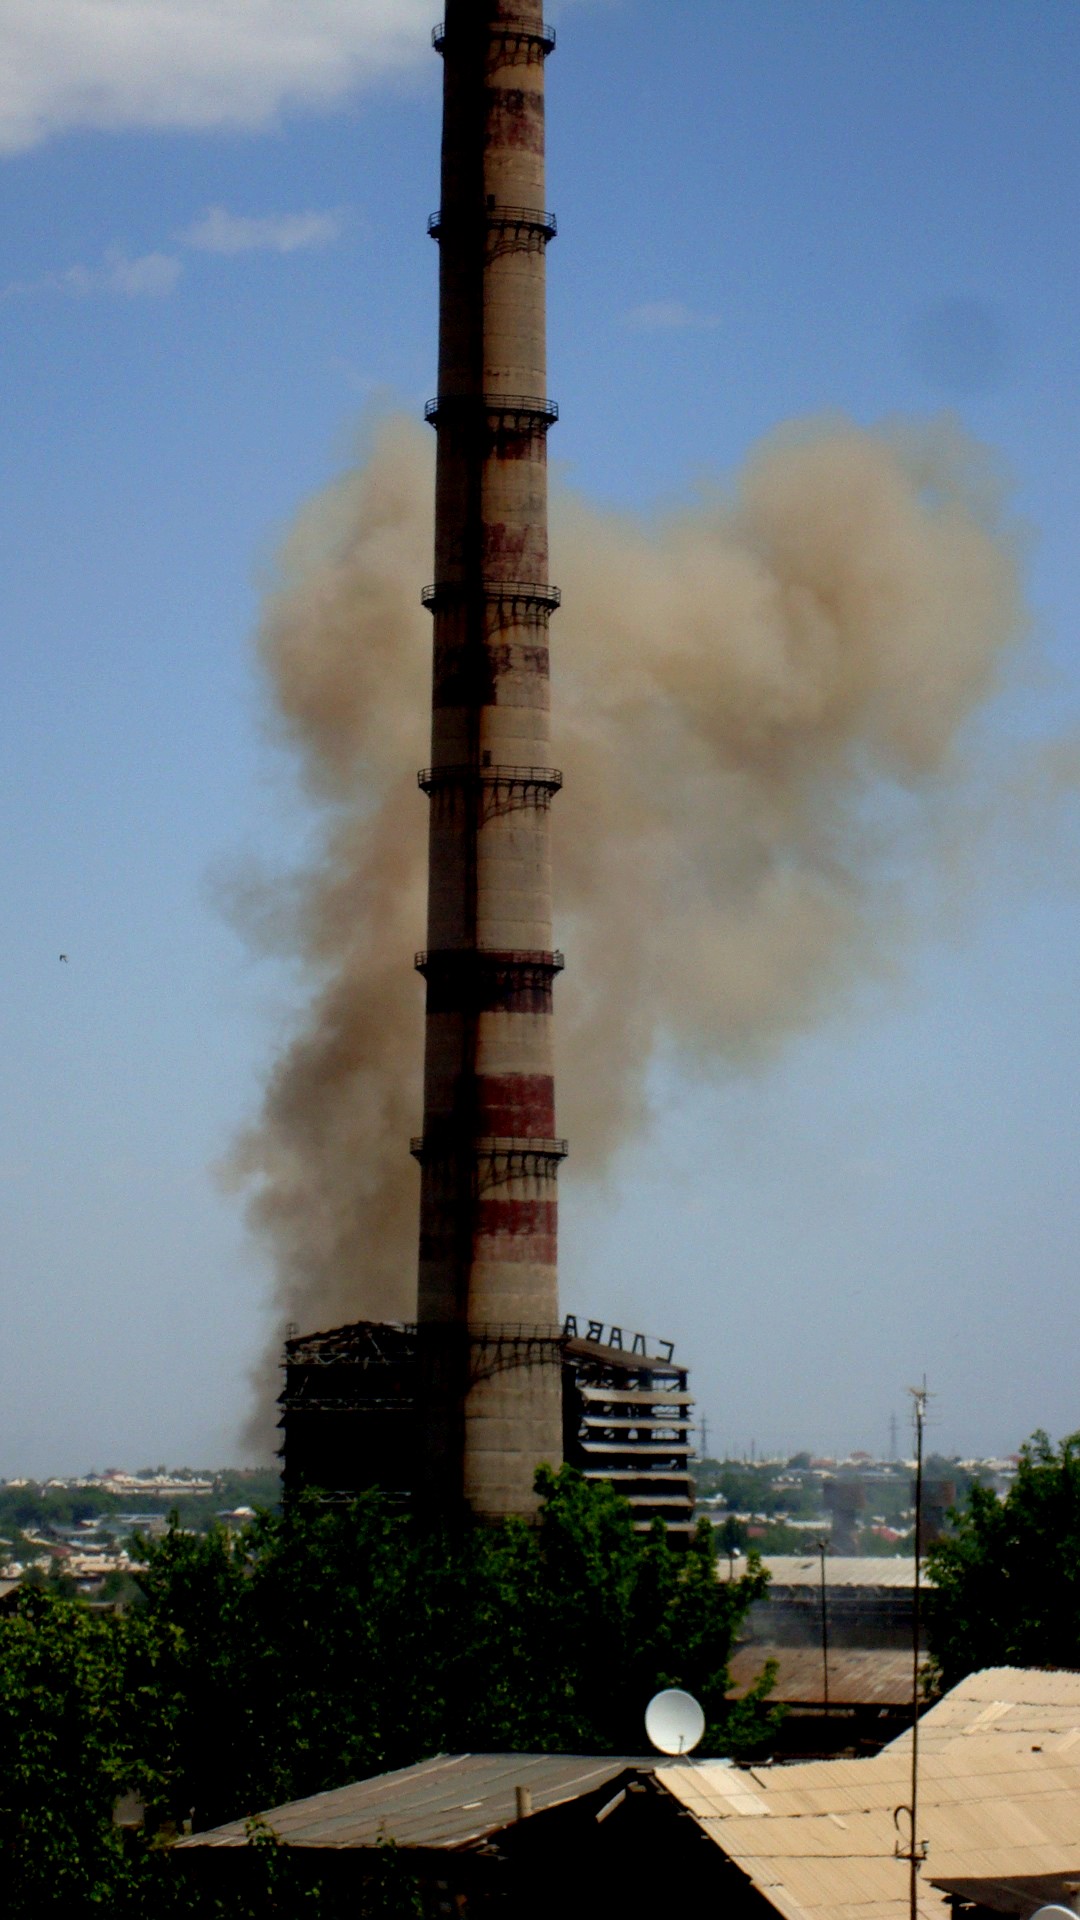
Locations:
488 1299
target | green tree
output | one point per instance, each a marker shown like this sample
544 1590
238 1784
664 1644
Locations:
1007 1580
77 1699
328 1643
323 1645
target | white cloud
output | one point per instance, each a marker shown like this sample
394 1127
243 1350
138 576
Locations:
150 275
218 231
156 274
191 63
659 316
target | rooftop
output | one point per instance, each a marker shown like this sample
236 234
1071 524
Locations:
858 1676
843 1570
818 1839
1021 1706
999 1803
455 1801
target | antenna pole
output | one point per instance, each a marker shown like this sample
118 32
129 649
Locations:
916 1853
823 1548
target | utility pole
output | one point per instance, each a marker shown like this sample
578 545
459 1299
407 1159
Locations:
823 1548
916 1850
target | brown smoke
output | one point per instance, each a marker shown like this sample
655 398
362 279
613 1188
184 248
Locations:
762 708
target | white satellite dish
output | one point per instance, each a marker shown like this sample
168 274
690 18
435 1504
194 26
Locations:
1052 1912
675 1723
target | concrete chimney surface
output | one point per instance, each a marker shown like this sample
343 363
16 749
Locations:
488 1301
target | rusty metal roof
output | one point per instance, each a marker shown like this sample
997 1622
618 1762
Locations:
818 1838
456 1801
858 1676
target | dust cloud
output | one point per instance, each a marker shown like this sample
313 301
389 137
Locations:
764 710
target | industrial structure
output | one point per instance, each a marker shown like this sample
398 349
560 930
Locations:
487 1313
455 1412
627 1414
352 1412
845 1501
840 1631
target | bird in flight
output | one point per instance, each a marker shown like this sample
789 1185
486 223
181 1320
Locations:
64 958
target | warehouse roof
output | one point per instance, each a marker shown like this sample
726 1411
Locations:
1020 1705
858 1676
845 1570
999 1804
455 1801
818 1839
1023 1893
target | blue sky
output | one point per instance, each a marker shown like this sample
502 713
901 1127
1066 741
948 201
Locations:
214 267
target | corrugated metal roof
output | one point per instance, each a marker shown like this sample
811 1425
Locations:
818 1838
455 1801
858 1676
1019 1704
846 1570
1020 1893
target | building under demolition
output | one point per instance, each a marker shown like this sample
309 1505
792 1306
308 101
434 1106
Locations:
351 1411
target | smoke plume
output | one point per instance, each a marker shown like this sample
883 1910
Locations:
763 709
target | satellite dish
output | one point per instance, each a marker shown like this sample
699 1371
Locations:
1052 1912
675 1723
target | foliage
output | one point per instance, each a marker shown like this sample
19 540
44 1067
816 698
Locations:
775 1494
762 1489
327 1644
939 1466
335 1643
279 1881
79 1696
776 1536
903 1548
1007 1580
34 1507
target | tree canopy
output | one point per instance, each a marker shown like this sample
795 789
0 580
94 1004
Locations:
324 1645
1007 1580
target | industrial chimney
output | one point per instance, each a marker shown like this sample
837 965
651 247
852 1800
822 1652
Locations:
845 1500
453 1415
489 1346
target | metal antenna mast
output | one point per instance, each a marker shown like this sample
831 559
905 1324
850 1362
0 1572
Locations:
823 1547
916 1849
